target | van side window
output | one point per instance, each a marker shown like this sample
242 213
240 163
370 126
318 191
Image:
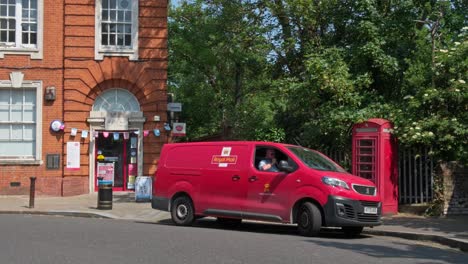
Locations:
262 157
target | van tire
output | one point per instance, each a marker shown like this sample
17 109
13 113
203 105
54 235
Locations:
309 220
182 211
352 231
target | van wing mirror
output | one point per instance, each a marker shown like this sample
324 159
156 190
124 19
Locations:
284 166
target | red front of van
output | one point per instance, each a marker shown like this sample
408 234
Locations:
345 199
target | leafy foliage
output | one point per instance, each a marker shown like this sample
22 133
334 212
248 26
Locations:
304 71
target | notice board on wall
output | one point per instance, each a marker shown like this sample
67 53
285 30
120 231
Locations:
73 155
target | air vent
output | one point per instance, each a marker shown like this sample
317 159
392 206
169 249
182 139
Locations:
53 161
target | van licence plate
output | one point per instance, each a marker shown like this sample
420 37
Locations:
370 210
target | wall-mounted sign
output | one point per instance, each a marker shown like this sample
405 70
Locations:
50 93
174 107
178 129
56 125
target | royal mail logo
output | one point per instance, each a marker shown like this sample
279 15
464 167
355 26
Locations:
225 158
217 159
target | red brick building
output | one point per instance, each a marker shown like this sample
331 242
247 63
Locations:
99 69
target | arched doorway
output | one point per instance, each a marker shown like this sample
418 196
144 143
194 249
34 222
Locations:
116 145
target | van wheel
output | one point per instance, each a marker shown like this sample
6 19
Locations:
352 231
182 212
229 222
309 220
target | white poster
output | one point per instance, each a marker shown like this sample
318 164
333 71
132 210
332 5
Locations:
73 155
106 171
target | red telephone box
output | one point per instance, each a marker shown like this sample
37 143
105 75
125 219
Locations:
375 158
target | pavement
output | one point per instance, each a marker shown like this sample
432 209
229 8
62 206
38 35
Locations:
450 231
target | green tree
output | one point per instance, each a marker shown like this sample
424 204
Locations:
305 71
218 67
436 100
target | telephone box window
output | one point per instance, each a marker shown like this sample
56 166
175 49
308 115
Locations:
366 158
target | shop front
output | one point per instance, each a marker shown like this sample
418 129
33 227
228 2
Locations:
116 159
116 144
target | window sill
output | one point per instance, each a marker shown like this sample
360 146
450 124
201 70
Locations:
33 52
20 162
131 54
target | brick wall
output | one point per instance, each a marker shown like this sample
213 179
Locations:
49 70
69 65
85 78
455 188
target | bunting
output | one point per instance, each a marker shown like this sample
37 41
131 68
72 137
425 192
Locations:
115 135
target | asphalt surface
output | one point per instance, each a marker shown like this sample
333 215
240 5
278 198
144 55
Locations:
56 240
450 231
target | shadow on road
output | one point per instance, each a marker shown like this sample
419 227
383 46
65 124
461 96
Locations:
335 239
263 227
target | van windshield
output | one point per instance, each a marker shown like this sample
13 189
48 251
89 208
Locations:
315 160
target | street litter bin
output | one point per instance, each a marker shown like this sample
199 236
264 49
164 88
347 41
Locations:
104 195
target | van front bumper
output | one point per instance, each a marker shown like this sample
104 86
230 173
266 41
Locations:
340 211
160 203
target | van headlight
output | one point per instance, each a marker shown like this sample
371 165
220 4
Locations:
335 182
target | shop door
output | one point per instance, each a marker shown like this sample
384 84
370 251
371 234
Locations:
111 160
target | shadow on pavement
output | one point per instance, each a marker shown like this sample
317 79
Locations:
447 224
124 198
425 253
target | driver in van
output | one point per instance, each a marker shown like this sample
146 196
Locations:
269 162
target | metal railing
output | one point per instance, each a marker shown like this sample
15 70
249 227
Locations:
416 175
415 172
343 158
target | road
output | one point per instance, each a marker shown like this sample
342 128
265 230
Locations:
59 240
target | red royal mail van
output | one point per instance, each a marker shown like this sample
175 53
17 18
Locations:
262 181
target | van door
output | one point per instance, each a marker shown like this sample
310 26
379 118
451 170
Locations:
268 192
224 184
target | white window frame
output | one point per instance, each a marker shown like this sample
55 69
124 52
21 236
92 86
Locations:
35 51
37 159
100 51
111 97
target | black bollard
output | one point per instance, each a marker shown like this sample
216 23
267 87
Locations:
32 191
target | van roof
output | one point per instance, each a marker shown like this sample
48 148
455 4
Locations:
232 143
